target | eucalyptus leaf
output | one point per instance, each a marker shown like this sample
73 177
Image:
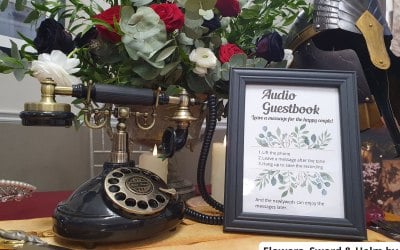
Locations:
225 71
193 15
14 50
281 64
165 53
158 65
210 81
196 83
216 72
199 44
216 40
144 32
193 23
126 13
167 68
192 5
19 74
238 60
152 54
250 63
174 76
138 3
146 71
194 33
260 62
208 4
184 40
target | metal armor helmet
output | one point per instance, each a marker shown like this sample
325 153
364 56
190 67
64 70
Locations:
350 35
322 43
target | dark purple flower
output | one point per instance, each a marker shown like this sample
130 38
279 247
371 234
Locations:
212 24
51 35
82 40
270 47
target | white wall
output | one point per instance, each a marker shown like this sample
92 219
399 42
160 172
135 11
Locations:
14 94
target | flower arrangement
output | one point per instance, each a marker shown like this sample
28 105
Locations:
145 43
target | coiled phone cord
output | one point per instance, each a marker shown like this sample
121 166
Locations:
208 135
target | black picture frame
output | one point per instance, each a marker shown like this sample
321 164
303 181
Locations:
239 216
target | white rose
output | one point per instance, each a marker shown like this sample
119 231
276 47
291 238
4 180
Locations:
200 71
56 66
204 59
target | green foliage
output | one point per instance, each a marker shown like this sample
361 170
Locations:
263 17
147 55
299 138
289 181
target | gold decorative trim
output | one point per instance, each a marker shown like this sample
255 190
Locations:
303 36
372 31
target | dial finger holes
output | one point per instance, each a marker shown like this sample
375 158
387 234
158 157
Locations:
130 202
113 181
142 205
125 170
117 174
114 188
153 203
120 196
160 198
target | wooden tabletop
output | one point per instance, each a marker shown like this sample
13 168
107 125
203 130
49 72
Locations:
188 235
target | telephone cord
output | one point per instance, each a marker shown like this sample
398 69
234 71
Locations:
208 135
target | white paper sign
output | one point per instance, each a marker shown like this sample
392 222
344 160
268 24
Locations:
292 151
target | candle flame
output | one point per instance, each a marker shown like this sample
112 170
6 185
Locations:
155 150
225 141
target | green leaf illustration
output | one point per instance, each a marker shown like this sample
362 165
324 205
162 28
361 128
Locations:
299 138
288 182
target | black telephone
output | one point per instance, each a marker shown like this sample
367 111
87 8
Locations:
123 203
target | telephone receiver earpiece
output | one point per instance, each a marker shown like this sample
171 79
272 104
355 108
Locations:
173 140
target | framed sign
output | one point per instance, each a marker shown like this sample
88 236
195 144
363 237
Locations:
293 154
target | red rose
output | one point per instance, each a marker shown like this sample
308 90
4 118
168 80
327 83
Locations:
171 15
108 16
226 51
228 7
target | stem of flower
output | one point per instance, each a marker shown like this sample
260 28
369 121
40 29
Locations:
72 52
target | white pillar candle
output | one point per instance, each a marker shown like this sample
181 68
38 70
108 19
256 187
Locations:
218 171
151 161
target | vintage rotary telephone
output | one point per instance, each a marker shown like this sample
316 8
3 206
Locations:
123 203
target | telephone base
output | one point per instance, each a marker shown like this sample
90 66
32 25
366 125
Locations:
88 216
